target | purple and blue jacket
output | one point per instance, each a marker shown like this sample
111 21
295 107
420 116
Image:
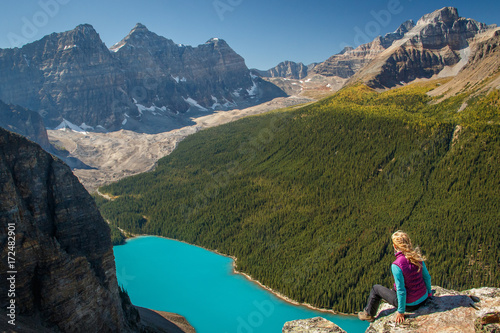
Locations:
412 286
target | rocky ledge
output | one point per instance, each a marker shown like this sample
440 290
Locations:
316 325
474 310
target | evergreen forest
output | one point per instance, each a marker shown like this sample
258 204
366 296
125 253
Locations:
307 197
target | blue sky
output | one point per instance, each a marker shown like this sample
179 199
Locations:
263 32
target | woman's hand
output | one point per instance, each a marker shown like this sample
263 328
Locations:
400 317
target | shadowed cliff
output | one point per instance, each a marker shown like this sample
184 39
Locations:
65 276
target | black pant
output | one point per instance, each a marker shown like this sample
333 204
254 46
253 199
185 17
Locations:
389 295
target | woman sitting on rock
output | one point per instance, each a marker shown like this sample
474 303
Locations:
412 284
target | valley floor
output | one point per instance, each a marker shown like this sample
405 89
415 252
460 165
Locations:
120 154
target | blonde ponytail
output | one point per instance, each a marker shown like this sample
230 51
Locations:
402 242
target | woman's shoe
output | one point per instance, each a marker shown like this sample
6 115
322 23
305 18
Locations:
363 315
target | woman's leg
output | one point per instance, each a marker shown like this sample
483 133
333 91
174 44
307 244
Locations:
378 293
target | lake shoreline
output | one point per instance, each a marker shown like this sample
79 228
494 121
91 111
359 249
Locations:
248 277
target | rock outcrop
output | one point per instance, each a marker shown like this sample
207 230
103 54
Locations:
24 122
349 61
439 44
313 325
145 82
475 310
30 124
470 311
63 270
481 73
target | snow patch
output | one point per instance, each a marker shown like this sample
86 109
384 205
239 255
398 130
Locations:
453 70
236 93
216 103
67 47
86 127
252 91
116 47
65 124
177 79
194 103
229 104
153 109
26 60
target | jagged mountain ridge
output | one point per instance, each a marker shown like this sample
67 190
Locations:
145 83
287 69
438 44
350 60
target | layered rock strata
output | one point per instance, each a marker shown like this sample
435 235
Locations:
439 44
25 122
63 267
145 82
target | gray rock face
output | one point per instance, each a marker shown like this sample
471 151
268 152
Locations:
412 51
313 325
389 38
350 60
346 63
145 82
438 40
448 311
444 28
24 122
470 311
288 69
66 275
69 75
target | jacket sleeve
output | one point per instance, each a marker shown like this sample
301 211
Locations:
400 287
427 279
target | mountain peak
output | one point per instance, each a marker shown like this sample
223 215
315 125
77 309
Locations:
405 27
216 41
345 50
139 35
139 27
445 15
84 29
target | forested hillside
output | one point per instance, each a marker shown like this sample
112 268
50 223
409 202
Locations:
307 198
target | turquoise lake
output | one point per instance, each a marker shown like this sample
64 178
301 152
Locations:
168 275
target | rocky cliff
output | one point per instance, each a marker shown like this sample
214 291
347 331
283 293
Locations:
25 122
145 82
481 73
439 44
288 69
56 247
470 311
350 60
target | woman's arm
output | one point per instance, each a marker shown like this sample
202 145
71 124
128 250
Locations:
427 279
400 287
